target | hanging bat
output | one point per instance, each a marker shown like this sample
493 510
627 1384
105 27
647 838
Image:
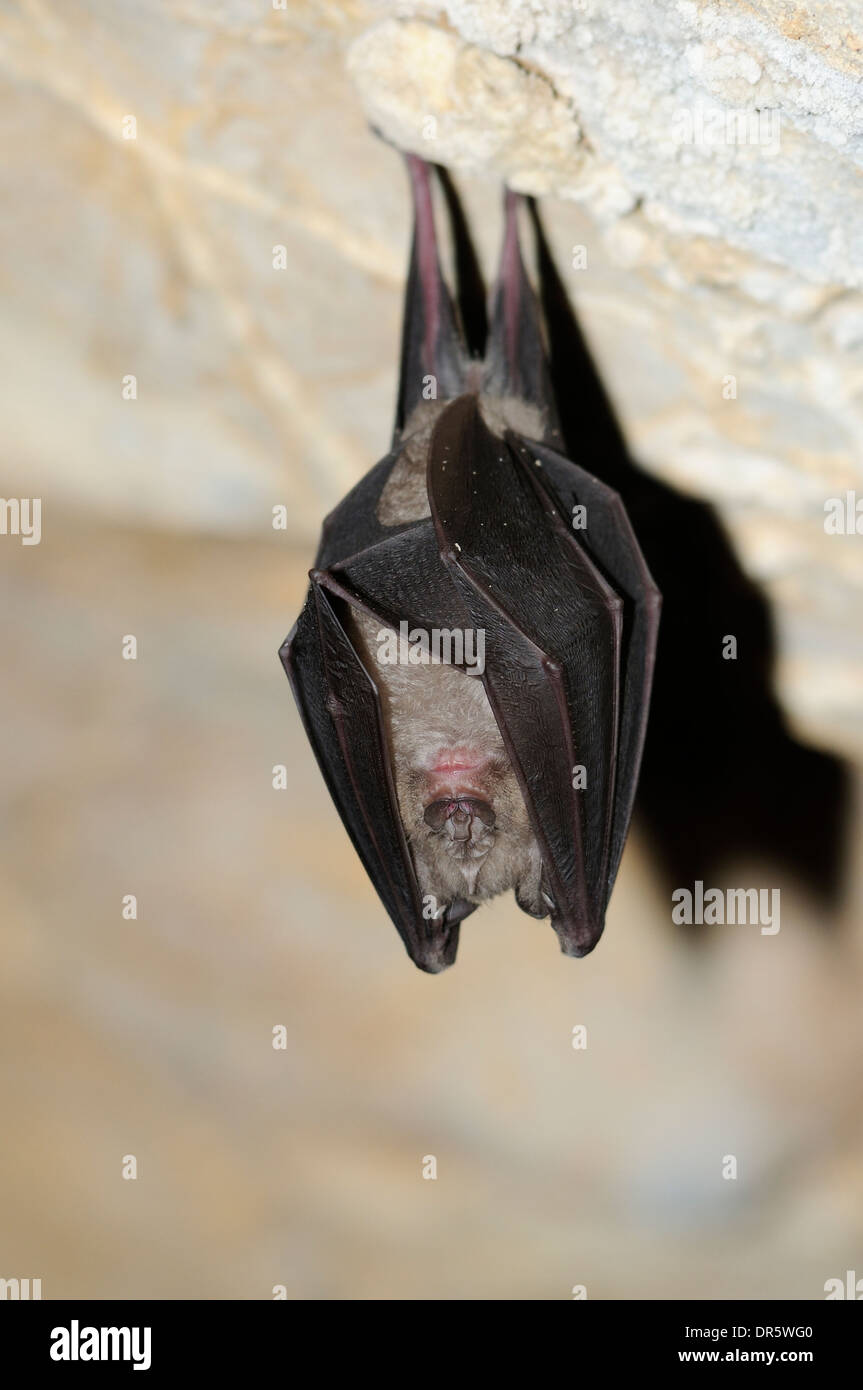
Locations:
474 659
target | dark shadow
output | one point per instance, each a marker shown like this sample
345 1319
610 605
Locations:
721 775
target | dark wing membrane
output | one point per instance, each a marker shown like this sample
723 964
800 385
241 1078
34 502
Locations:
403 579
552 652
353 525
339 705
610 539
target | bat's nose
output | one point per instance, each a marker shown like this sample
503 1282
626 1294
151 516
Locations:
458 815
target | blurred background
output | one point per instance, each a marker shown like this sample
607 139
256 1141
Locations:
193 199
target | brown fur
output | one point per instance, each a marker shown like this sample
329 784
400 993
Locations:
429 708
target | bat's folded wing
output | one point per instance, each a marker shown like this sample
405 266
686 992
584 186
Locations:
605 531
569 622
340 708
553 626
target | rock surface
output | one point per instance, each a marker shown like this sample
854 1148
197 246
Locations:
160 256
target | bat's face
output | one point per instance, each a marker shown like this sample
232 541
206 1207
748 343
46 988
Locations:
468 827
457 796
460 802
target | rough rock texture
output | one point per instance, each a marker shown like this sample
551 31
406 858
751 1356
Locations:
257 385
784 186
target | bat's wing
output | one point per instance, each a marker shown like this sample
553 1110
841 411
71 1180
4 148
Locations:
516 367
552 625
340 708
608 537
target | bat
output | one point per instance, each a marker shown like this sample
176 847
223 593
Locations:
474 659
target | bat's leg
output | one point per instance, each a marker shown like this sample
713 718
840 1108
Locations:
516 366
434 360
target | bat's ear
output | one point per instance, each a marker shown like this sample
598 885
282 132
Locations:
434 359
516 361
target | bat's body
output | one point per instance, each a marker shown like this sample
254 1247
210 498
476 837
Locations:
472 671
459 799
